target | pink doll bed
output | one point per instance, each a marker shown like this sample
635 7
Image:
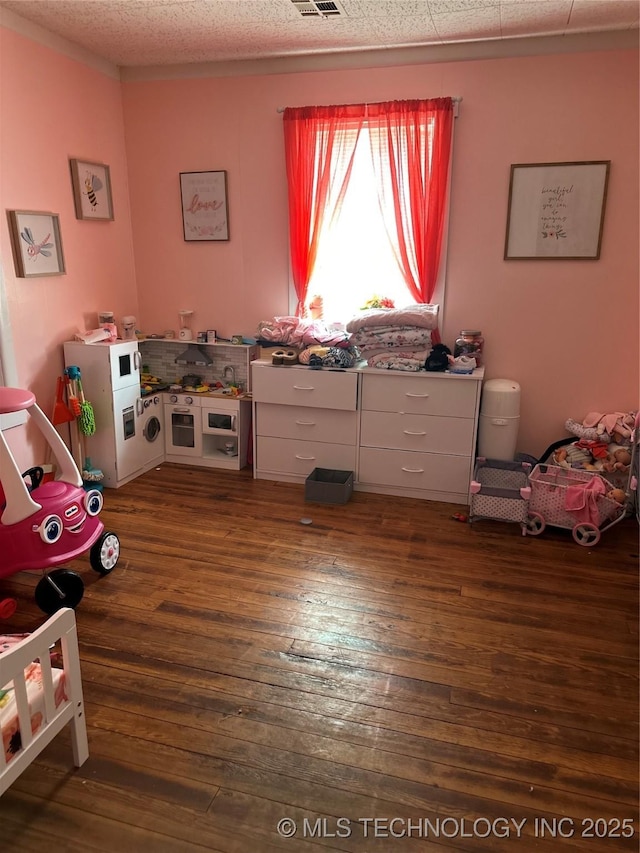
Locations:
37 698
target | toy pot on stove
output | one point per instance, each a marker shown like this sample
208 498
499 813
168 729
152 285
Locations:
191 381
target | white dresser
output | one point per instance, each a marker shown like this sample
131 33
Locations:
303 419
401 434
418 433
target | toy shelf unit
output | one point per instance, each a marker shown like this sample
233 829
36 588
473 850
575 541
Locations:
171 358
500 491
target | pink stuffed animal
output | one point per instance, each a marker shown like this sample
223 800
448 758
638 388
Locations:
590 433
615 426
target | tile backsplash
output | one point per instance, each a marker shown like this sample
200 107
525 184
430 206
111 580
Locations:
160 357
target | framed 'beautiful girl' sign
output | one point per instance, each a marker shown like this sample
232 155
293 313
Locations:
556 210
205 211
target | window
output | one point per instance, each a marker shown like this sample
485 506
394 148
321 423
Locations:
368 185
355 258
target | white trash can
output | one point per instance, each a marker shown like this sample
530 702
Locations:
499 419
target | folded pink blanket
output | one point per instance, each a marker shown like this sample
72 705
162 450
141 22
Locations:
293 331
417 354
391 338
425 316
395 361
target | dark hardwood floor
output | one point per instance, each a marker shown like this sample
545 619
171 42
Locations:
385 679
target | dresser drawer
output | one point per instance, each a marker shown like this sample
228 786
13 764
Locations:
403 431
302 386
450 395
287 456
334 426
404 469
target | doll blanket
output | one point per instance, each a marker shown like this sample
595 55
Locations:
582 500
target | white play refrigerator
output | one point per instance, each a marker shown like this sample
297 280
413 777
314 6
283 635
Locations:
111 383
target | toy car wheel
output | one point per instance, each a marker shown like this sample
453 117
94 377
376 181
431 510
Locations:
586 534
104 553
7 607
535 523
62 588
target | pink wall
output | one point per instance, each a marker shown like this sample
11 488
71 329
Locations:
543 321
560 328
54 108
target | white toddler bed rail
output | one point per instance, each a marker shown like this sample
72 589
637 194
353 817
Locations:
13 662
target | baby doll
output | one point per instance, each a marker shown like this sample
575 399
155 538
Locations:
573 456
623 429
616 495
617 460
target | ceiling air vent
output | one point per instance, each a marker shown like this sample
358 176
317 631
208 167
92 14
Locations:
318 8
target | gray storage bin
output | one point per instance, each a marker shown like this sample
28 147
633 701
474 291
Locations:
328 486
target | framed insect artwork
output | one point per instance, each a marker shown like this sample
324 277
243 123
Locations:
37 244
91 190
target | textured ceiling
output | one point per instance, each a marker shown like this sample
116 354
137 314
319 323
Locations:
162 32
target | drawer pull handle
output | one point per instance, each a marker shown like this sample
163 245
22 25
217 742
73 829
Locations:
305 458
303 387
411 432
413 470
409 394
306 423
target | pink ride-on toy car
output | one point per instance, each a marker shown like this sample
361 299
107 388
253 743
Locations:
46 524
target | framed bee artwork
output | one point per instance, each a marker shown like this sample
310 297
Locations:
36 242
91 190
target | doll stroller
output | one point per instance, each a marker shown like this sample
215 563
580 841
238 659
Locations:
552 488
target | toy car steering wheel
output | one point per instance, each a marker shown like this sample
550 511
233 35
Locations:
36 475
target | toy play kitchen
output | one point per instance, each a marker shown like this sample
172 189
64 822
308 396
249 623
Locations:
197 415
208 431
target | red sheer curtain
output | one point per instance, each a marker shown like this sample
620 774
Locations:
319 146
410 148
